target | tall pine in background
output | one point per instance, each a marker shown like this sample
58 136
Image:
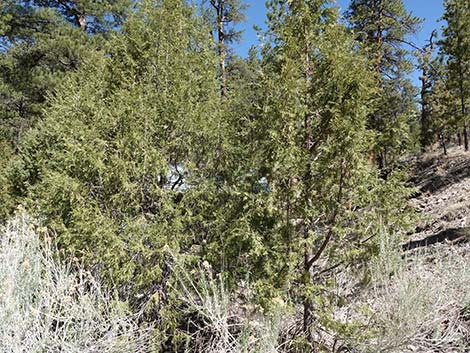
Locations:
226 14
89 15
382 26
425 63
40 42
455 46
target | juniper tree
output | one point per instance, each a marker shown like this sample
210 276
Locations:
456 46
382 26
140 160
313 156
106 167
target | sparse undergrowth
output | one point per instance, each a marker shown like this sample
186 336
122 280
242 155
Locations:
224 324
414 303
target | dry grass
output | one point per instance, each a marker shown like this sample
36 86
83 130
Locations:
417 303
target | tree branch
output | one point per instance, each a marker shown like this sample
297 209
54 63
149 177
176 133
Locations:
329 235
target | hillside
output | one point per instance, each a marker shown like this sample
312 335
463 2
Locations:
426 303
443 199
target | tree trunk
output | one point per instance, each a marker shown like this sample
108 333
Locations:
465 135
443 143
81 21
222 48
463 107
307 320
307 315
424 111
382 161
378 65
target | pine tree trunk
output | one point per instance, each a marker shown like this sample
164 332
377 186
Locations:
465 135
463 107
379 58
459 139
222 48
425 138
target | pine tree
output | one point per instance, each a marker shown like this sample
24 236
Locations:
382 27
427 78
88 15
456 46
40 42
29 72
443 105
228 13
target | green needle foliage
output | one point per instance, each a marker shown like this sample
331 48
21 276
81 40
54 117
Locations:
143 145
315 113
40 42
89 15
226 14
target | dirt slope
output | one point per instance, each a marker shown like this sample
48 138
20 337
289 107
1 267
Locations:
443 198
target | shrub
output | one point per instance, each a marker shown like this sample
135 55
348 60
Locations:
46 307
222 323
422 306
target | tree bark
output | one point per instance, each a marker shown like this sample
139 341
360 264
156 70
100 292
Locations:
443 143
424 111
308 145
81 21
462 106
220 10
465 135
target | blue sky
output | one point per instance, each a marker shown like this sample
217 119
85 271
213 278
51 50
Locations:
429 10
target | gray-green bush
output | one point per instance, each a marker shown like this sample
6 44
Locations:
46 307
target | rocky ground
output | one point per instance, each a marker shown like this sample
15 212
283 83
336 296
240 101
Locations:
443 198
442 237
